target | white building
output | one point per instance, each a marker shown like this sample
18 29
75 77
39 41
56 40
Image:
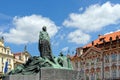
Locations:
5 56
12 59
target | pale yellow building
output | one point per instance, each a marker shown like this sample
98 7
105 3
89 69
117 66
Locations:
13 59
5 56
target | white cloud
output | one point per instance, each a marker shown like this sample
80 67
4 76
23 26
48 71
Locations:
80 9
112 32
95 17
118 30
78 37
108 33
65 49
27 29
0 33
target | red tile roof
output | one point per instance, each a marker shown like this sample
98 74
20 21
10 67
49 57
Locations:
18 53
106 38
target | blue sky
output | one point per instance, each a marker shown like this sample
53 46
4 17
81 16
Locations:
70 23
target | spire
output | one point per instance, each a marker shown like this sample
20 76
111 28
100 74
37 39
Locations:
68 51
2 39
25 48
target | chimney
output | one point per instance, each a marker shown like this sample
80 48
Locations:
110 40
79 51
92 43
97 45
104 42
117 37
99 35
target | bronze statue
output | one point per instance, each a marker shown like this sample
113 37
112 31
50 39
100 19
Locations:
46 59
44 45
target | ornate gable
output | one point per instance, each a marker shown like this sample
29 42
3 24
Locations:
92 52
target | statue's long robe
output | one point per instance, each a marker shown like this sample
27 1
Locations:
45 46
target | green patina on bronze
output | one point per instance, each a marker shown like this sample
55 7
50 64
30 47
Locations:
44 45
45 60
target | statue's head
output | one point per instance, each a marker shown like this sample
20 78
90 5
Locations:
44 28
61 54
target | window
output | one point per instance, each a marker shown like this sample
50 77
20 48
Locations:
97 76
2 60
76 64
119 72
7 51
92 63
114 57
9 61
114 73
119 56
82 73
19 57
26 58
98 60
107 74
2 69
107 58
87 64
92 77
2 50
87 77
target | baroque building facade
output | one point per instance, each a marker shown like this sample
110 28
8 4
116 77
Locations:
99 59
9 59
6 57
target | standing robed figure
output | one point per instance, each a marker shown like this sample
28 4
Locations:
44 44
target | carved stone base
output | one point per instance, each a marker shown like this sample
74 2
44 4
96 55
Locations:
48 74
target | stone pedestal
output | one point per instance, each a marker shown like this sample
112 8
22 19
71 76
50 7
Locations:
48 74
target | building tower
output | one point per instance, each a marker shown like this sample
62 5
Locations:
5 57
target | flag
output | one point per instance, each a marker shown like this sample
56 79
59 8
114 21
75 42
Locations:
6 67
